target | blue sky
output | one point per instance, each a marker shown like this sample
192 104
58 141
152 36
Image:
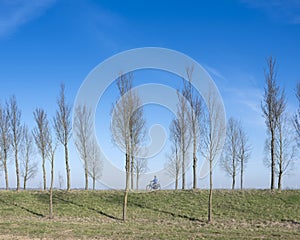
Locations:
44 43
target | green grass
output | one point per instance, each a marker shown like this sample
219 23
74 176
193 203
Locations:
249 214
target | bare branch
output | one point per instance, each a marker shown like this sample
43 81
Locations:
128 128
212 130
94 163
16 128
5 140
62 126
273 106
83 132
41 135
28 167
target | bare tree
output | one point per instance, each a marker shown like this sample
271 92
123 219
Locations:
1 161
273 106
244 152
41 136
50 152
185 135
137 128
128 127
297 115
230 153
173 164
137 136
236 151
5 140
121 130
140 167
83 131
16 130
94 163
194 115
62 126
286 151
212 130
28 167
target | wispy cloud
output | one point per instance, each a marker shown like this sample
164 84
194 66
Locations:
215 72
103 24
283 10
245 104
241 94
249 97
14 14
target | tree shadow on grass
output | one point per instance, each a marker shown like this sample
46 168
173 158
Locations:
89 208
42 196
59 196
168 212
23 208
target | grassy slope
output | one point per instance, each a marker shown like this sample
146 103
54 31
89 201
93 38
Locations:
155 215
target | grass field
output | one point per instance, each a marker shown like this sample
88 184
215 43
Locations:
249 214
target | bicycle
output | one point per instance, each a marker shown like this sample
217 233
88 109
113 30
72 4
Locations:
153 186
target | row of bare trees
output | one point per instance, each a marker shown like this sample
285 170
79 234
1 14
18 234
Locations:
280 146
282 131
201 127
197 128
17 136
17 139
184 132
86 145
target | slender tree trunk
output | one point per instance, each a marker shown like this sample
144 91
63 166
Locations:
242 172
176 181
272 161
94 183
195 161
44 173
51 205
177 168
183 175
233 174
127 167
279 179
280 171
67 167
26 173
131 157
24 184
17 168
86 173
183 163
280 157
51 188
5 169
209 218
132 171
125 203
137 181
